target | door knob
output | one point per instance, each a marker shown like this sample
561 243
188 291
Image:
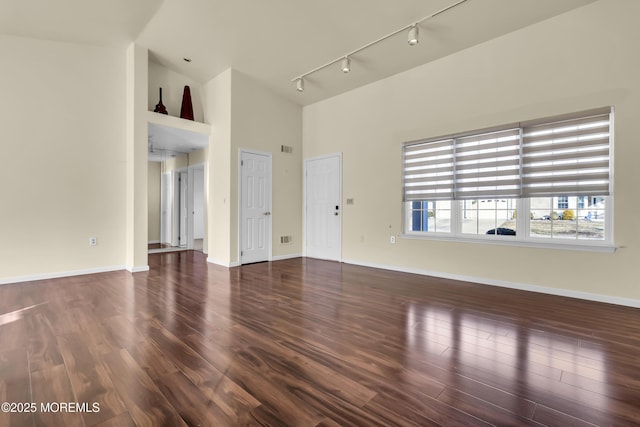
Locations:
267 213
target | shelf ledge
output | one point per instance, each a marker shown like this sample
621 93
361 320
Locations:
178 123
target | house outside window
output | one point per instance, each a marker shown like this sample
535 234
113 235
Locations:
542 181
563 202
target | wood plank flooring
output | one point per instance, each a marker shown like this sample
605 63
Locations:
305 342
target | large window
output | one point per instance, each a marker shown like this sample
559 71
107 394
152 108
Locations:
547 180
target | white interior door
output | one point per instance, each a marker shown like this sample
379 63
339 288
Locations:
323 188
255 207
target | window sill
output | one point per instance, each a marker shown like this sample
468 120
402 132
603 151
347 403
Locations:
506 241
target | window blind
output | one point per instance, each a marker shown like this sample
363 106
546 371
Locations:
487 165
569 157
469 167
428 170
552 157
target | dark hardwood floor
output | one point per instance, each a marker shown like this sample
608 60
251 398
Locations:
304 342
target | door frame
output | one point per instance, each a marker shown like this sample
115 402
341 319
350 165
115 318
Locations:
191 170
269 155
304 195
165 208
177 216
171 219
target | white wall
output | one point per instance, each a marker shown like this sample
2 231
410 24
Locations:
136 137
584 59
62 117
263 121
245 115
218 114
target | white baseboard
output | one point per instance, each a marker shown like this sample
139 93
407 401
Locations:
236 264
505 284
288 256
59 274
480 280
222 263
153 242
166 250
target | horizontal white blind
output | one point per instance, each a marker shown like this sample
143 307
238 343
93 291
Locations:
555 157
482 165
428 170
568 158
487 165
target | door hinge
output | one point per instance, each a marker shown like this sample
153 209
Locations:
241 162
241 253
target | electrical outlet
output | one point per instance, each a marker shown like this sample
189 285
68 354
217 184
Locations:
392 239
93 241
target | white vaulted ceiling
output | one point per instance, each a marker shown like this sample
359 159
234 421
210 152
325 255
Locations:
274 41
110 23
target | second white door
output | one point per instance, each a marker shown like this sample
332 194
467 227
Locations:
323 188
255 207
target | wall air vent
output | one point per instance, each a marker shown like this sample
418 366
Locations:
285 239
286 149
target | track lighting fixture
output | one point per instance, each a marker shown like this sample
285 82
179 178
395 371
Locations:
413 35
346 64
345 60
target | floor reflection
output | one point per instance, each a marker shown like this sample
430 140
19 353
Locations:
503 354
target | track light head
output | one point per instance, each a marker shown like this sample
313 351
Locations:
300 85
413 35
346 64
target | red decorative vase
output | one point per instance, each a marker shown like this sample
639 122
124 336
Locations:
186 111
